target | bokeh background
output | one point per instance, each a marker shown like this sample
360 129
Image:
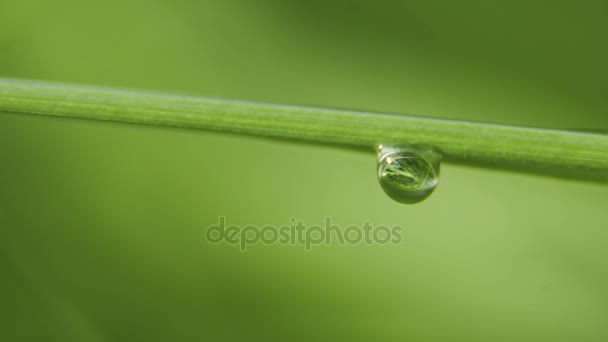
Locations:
102 225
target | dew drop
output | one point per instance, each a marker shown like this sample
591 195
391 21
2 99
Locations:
408 174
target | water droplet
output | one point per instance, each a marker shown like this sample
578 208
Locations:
408 174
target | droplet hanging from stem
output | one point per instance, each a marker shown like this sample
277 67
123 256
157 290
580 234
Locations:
408 173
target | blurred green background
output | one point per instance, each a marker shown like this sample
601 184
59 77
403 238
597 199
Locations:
102 225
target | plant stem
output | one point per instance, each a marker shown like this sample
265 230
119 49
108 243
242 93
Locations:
552 152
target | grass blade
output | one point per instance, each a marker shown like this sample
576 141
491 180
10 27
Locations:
552 152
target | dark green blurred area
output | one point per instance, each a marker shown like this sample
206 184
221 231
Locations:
102 225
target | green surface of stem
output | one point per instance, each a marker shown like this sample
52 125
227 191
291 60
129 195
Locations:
552 152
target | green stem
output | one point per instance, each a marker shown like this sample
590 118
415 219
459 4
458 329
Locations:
553 152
